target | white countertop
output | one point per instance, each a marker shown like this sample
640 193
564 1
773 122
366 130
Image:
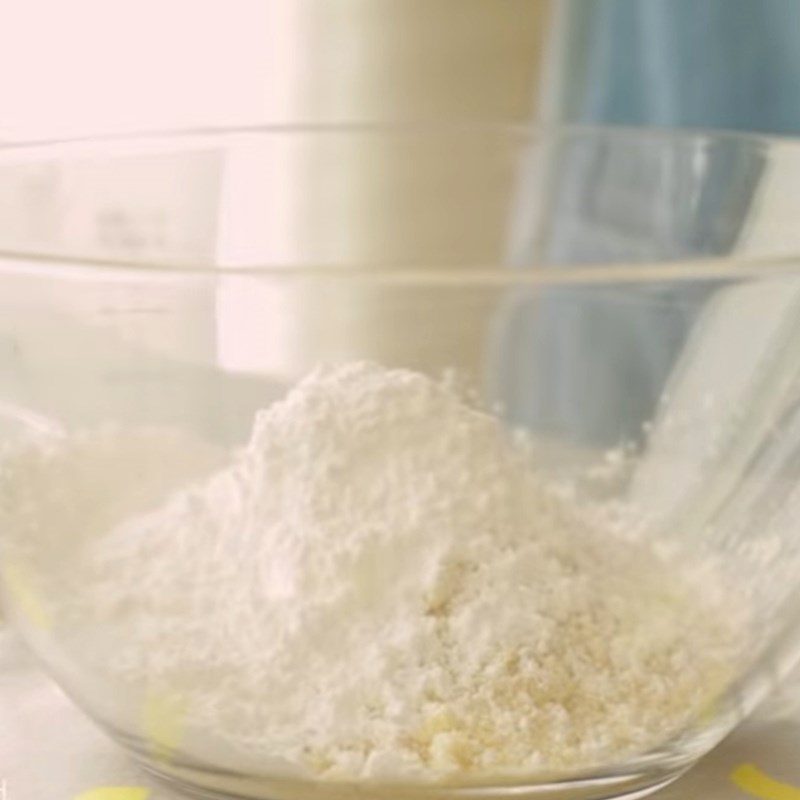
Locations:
50 751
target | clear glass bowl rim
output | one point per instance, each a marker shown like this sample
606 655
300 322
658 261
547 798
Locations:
681 269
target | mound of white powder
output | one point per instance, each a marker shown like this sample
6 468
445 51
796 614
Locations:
381 585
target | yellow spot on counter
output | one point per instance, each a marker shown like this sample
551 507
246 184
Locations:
115 793
752 780
163 718
22 592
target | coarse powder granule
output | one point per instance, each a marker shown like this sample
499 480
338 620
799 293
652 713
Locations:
382 585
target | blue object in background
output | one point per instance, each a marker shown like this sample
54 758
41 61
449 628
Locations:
731 64
587 363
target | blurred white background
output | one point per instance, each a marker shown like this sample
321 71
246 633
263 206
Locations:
90 66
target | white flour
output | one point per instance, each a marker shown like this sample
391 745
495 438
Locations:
380 585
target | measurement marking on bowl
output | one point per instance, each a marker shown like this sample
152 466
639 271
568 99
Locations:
115 793
753 781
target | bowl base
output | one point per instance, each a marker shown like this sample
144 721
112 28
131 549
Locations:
208 784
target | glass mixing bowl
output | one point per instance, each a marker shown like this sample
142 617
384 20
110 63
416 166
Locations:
609 291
